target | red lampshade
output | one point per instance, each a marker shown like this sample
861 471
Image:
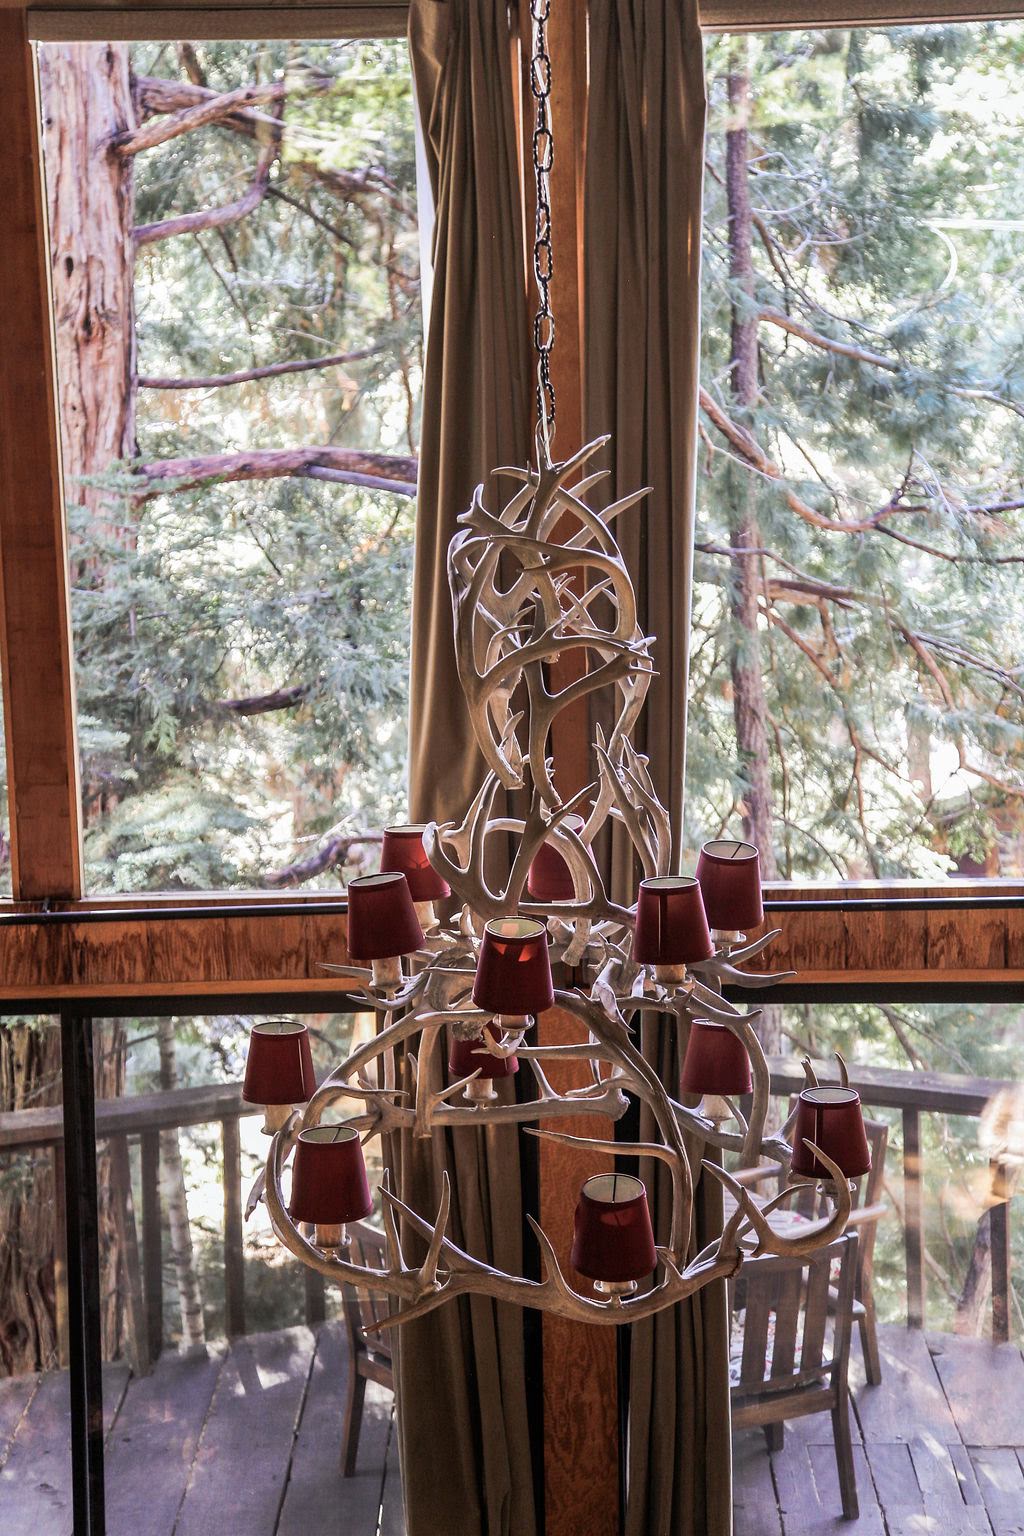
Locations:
832 1119
329 1183
470 1055
382 921
716 1061
550 878
513 973
671 928
612 1236
730 881
403 853
279 1067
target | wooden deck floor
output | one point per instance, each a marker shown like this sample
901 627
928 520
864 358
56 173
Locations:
247 1440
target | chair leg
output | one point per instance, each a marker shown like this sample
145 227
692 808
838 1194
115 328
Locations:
775 1434
869 1343
844 1455
353 1421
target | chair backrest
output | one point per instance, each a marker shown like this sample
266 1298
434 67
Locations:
791 1336
363 1308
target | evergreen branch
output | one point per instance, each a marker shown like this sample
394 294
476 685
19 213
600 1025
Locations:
392 472
271 371
214 218
267 703
333 852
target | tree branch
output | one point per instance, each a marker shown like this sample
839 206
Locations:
214 218
271 371
333 852
267 703
161 131
381 471
826 343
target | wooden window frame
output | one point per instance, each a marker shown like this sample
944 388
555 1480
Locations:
983 941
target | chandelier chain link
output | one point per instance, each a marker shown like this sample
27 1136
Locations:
543 258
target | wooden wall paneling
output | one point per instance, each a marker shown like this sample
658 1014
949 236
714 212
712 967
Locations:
268 949
885 941
108 21
35 631
1013 925
766 15
104 954
966 940
181 951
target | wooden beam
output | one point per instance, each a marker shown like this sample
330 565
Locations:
35 629
784 15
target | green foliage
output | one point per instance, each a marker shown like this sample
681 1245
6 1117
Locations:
878 162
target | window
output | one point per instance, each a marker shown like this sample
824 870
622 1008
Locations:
236 303
858 619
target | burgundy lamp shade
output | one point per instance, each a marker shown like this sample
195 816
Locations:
550 878
472 1055
403 853
671 927
382 921
715 1062
832 1119
729 874
329 1184
513 973
279 1067
613 1239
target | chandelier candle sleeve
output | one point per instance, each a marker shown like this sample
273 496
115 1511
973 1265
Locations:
403 853
613 1241
473 1056
329 1184
832 1119
550 878
382 924
671 926
513 972
729 874
278 1070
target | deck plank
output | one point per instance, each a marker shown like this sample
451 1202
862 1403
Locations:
755 1511
984 1384
1001 1481
160 1425
910 1403
316 1482
241 1467
35 1482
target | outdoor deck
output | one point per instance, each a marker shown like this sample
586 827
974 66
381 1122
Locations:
247 1439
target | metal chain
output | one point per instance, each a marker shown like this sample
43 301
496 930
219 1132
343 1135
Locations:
543 261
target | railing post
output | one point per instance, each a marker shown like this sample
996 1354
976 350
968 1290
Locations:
234 1262
913 1217
999 1236
128 1242
60 1254
152 1242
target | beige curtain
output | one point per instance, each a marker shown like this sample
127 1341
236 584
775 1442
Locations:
464 1430
642 232
476 389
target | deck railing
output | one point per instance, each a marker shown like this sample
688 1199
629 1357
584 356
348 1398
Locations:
141 1118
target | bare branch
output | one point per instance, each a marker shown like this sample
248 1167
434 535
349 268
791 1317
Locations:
270 371
391 472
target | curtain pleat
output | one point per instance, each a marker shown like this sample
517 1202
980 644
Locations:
464 1431
642 234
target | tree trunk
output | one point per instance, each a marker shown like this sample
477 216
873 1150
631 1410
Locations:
750 708
87 100
172 1179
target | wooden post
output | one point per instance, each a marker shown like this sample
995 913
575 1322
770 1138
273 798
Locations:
913 1217
999 1235
234 1262
35 628
128 1243
581 1460
152 1242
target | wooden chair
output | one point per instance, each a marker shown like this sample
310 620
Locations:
869 1206
369 1357
796 1348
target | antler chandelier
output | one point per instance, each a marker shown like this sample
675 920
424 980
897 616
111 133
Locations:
530 582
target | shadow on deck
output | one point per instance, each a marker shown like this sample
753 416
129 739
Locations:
247 1439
